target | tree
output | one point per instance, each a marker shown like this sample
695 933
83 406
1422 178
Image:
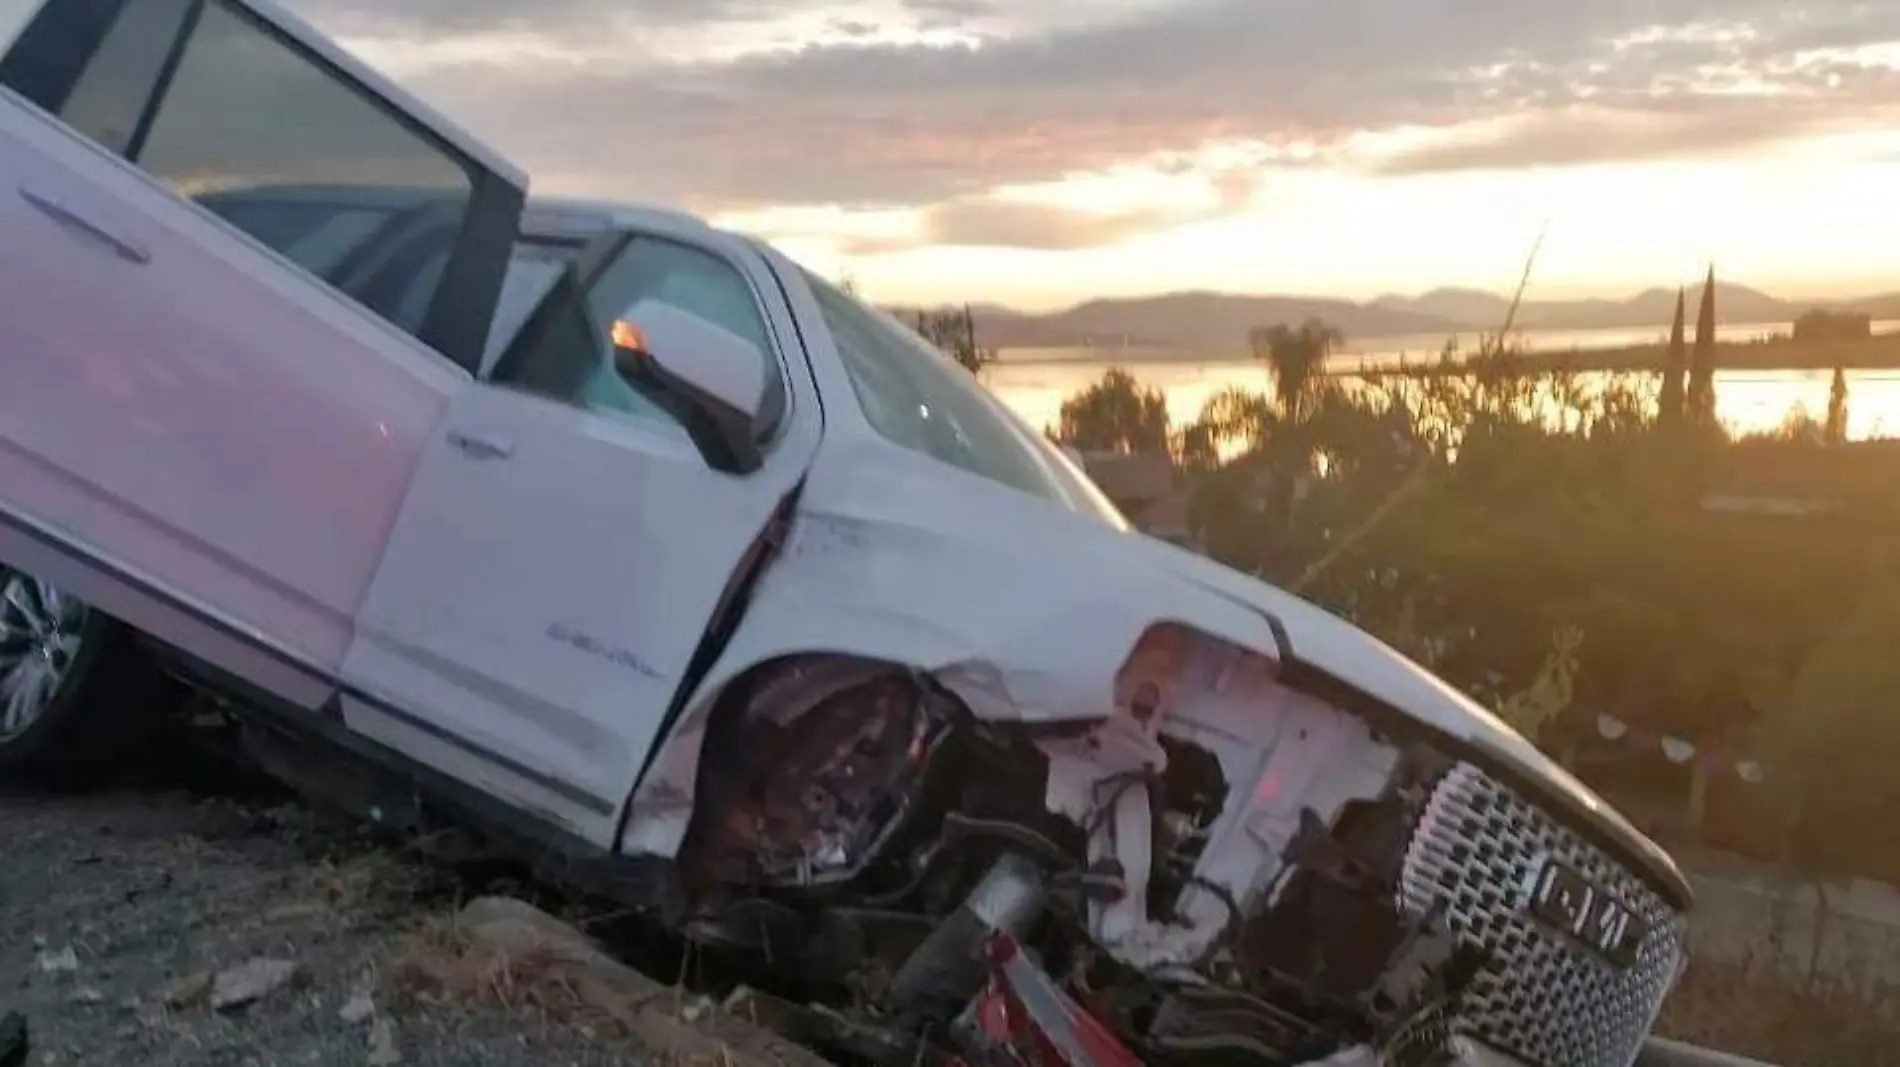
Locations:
1116 415
1826 325
1234 418
1701 399
1834 431
1675 367
1417 506
954 331
1295 358
1542 702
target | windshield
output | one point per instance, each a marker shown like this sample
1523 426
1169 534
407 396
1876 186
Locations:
916 396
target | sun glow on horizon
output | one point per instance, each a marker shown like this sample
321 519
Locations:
1805 219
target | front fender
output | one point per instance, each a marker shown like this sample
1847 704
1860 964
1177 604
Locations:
1023 619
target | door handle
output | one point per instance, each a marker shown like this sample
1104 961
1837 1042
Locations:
80 226
480 446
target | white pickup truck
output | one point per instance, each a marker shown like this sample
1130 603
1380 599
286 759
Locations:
643 551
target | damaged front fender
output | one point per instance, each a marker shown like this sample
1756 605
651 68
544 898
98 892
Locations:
1020 636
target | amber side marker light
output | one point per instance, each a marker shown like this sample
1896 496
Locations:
627 336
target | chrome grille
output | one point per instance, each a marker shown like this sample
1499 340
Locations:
1543 998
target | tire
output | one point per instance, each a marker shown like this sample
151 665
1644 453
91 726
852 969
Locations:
76 693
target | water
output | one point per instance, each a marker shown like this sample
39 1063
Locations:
1385 351
1035 382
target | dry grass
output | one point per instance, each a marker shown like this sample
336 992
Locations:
367 882
1771 1016
445 968
553 975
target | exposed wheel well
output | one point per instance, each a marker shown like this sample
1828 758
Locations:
798 676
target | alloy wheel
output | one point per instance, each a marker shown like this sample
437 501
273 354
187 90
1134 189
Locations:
40 636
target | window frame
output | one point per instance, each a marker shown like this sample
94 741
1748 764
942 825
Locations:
585 270
455 326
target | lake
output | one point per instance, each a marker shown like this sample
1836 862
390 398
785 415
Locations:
1035 381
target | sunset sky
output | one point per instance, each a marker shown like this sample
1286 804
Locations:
1040 152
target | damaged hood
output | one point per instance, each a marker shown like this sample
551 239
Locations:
896 557
1322 642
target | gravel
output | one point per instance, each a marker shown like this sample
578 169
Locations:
121 911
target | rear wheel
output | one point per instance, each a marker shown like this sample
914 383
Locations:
73 689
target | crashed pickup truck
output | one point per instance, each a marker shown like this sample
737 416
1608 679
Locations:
631 544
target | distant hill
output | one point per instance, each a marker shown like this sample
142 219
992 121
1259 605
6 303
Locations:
1214 321
1652 307
1197 320
1451 305
1885 306
1219 320
1655 307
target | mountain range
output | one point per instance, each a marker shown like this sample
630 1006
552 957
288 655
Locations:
1215 321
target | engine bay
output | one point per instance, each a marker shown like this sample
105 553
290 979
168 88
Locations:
1214 868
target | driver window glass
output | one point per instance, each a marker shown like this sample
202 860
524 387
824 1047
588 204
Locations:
247 116
249 125
572 357
110 97
13 16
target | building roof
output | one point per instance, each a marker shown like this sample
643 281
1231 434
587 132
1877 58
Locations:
1132 478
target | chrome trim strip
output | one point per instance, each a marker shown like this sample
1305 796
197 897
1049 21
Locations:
565 790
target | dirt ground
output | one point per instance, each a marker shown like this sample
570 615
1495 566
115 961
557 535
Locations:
120 909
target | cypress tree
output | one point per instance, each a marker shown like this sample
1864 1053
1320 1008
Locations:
1702 365
1675 366
1834 431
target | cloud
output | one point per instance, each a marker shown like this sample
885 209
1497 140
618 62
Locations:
1816 96
980 221
1085 85
439 17
954 9
1593 135
854 27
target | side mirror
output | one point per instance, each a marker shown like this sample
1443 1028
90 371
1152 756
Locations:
710 379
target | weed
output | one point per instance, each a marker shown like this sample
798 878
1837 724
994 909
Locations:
1755 1011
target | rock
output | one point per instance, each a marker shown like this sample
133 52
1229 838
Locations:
249 981
87 995
13 1044
383 1051
188 991
294 912
502 920
358 1008
65 961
